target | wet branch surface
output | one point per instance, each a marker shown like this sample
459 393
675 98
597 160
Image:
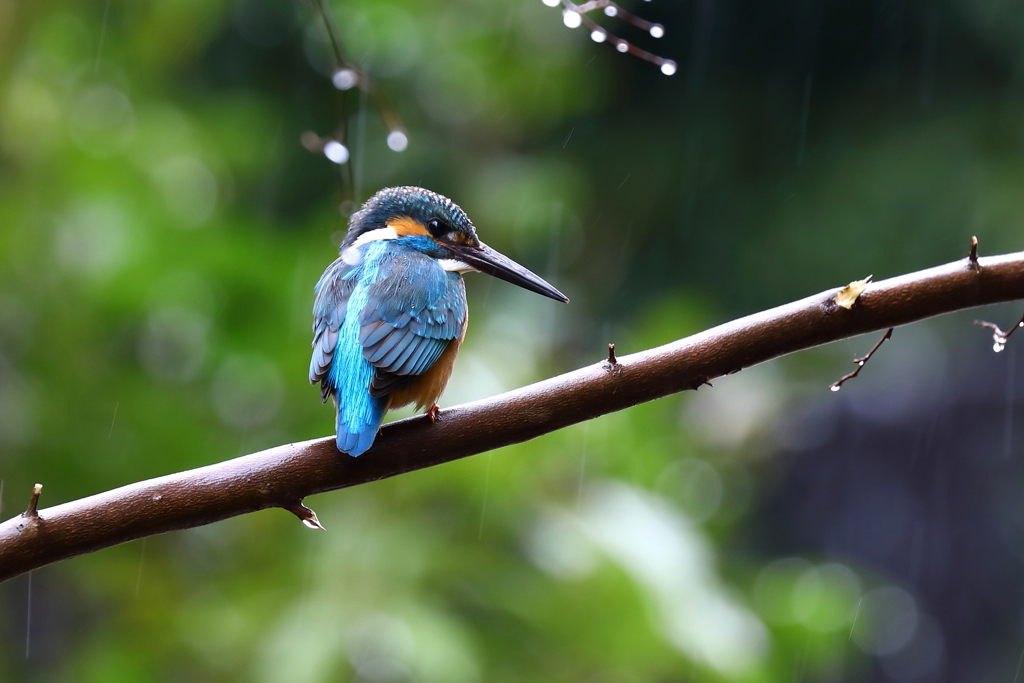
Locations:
283 476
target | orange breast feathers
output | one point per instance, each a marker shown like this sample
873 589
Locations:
428 387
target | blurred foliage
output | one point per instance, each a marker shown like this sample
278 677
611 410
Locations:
162 228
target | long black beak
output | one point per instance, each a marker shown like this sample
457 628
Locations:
486 260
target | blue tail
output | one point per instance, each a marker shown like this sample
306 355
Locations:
356 439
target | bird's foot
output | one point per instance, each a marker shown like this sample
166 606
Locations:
433 413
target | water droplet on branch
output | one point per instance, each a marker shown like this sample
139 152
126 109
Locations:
398 141
598 36
345 79
668 68
657 31
611 10
336 152
571 18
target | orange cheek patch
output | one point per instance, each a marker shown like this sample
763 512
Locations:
403 225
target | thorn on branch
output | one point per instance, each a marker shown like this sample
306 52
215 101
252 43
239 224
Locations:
999 337
33 503
861 362
612 360
972 257
306 516
573 15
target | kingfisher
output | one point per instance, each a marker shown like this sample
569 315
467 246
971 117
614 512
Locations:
390 313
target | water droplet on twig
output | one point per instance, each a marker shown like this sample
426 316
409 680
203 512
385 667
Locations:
398 141
668 68
571 18
336 152
657 31
598 36
345 79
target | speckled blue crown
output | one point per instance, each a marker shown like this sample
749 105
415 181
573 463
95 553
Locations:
415 202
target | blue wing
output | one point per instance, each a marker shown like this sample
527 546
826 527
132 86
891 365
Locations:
378 324
410 318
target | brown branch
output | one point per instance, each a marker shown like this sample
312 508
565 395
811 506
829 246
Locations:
282 476
860 362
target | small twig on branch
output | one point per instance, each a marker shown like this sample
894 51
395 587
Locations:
861 362
306 516
573 15
972 257
280 476
999 337
611 355
33 503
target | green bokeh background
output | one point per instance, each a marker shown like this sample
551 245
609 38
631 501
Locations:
161 229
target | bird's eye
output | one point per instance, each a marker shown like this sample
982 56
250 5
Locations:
435 227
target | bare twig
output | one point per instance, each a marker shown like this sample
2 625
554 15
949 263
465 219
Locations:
999 337
33 503
573 15
972 257
861 362
611 355
280 476
345 77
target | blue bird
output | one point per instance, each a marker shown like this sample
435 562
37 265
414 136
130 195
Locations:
390 313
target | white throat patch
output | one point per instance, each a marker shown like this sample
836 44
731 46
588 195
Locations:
456 266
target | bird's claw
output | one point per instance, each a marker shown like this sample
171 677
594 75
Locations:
433 413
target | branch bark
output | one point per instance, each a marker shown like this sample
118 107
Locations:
283 476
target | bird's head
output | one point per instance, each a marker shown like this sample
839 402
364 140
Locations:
435 225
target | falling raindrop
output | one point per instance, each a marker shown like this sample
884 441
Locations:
138 575
598 36
835 387
622 47
611 10
345 79
571 18
336 152
668 68
398 141
28 618
483 504
657 31
551 3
